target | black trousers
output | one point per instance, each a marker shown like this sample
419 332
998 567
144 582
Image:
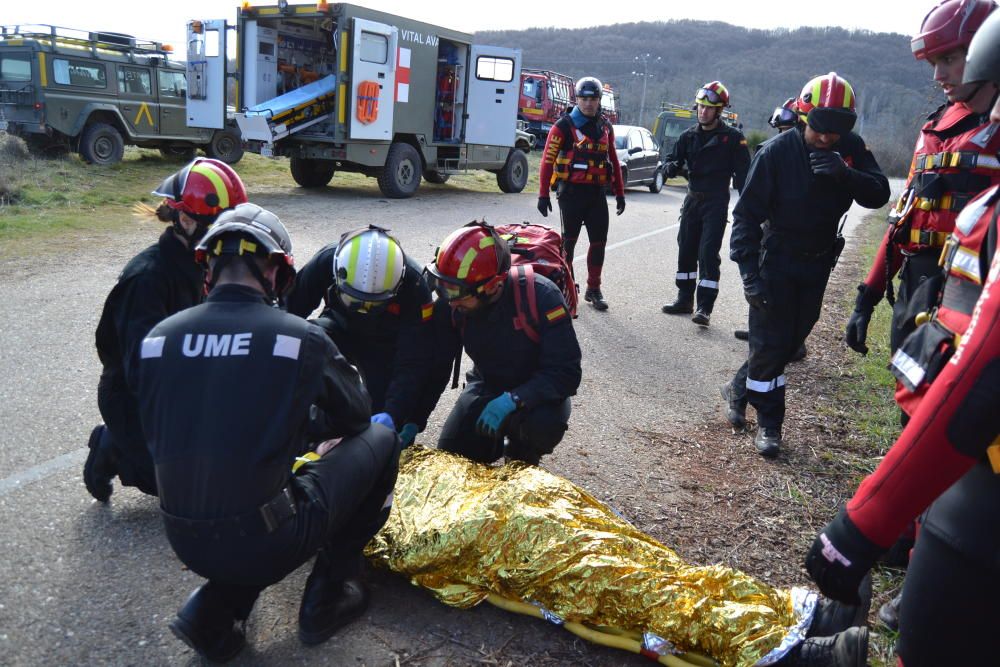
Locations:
123 435
341 501
795 285
951 608
579 206
532 432
702 226
915 270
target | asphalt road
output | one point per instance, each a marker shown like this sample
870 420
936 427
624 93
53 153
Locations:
85 583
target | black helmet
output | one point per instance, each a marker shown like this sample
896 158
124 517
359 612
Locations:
589 86
246 231
983 61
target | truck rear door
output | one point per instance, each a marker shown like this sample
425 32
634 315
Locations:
373 80
18 91
492 95
206 74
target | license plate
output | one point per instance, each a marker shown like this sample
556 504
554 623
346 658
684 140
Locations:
267 150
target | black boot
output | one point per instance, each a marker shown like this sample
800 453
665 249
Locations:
736 411
768 441
833 617
594 297
209 626
742 334
329 602
702 317
888 614
682 305
100 468
844 649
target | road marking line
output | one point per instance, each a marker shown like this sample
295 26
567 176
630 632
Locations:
45 469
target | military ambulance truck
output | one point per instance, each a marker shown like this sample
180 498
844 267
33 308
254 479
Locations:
338 87
94 92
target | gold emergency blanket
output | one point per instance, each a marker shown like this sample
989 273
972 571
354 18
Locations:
465 530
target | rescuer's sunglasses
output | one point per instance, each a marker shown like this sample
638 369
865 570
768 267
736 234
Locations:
710 95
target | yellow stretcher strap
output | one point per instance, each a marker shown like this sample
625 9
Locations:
610 637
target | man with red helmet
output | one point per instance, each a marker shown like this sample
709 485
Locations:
800 183
525 372
713 154
231 392
955 158
578 162
160 281
948 455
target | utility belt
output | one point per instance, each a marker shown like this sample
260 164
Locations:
709 194
263 520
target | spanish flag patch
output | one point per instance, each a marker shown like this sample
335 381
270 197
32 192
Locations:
426 311
556 314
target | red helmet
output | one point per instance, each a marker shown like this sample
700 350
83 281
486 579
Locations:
826 103
950 25
712 94
471 261
203 189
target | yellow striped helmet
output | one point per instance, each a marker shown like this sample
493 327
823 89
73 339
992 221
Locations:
368 266
203 189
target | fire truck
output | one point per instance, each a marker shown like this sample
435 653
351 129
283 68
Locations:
545 97
609 104
339 87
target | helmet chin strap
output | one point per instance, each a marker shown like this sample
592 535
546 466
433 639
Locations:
975 91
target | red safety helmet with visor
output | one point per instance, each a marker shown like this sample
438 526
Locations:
471 261
827 103
203 189
712 94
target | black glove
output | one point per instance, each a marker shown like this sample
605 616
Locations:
755 291
840 558
670 170
544 206
857 326
828 163
620 200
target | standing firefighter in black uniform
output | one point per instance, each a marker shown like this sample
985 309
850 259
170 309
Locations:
231 392
579 162
161 280
713 154
801 183
378 312
525 371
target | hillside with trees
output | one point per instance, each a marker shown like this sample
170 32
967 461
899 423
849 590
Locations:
761 68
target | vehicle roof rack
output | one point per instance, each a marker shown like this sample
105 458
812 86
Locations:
98 43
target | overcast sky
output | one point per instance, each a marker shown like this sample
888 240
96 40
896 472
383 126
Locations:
164 20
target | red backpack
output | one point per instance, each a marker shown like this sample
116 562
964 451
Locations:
536 249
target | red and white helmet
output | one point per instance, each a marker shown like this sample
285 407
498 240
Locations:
950 25
203 189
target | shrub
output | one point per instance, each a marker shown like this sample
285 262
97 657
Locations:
13 153
12 149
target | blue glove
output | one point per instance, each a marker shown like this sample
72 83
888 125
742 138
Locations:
408 434
495 414
385 419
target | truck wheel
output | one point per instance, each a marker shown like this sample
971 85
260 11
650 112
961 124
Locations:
178 153
514 175
226 145
657 183
400 177
434 176
311 172
101 144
